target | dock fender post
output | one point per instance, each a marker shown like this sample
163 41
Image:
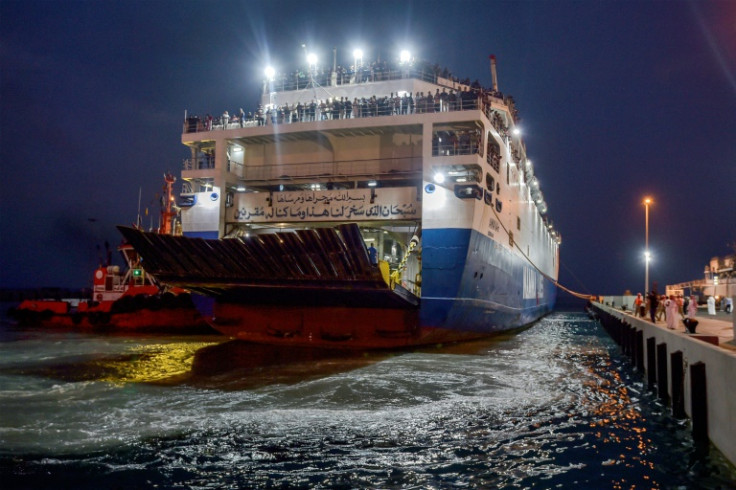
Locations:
629 329
677 372
699 402
662 385
651 363
640 350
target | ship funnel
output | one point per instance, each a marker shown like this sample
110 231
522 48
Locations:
494 75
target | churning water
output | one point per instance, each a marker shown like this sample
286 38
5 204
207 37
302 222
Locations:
553 406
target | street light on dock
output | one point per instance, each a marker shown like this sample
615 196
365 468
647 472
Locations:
647 256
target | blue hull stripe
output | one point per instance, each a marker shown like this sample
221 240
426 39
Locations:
470 282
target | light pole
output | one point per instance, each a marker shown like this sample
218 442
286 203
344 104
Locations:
646 245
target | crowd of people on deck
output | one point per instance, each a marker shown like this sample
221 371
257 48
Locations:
344 108
360 72
467 96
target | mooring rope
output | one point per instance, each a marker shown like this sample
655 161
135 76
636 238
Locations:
545 275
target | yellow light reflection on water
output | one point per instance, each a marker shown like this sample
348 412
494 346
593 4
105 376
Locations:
154 363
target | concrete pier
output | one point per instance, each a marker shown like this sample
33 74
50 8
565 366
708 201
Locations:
693 373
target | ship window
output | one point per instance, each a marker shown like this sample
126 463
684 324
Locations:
468 192
518 223
459 173
494 154
488 197
457 141
490 182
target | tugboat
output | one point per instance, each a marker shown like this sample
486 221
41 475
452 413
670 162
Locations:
130 299
384 206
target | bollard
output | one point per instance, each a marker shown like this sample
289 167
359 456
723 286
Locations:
662 390
651 363
699 401
678 385
640 350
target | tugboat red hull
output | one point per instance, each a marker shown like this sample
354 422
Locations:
134 312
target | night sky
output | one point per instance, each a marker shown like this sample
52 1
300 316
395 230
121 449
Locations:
618 100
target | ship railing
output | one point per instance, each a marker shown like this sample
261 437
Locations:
202 163
451 149
322 112
334 170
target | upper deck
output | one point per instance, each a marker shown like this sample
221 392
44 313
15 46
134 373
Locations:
367 93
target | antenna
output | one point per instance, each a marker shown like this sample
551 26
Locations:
138 221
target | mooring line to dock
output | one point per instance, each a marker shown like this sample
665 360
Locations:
545 275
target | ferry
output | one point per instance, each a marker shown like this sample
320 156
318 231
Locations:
379 206
127 299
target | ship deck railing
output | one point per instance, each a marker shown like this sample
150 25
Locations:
289 114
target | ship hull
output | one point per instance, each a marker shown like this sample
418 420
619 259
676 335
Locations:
456 304
475 284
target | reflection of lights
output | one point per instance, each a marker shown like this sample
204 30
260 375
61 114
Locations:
152 363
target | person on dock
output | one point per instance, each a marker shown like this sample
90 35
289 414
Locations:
653 300
711 305
660 308
637 305
671 313
692 308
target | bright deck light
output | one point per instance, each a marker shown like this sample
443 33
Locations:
405 56
517 131
358 54
439 177
312 59
270 72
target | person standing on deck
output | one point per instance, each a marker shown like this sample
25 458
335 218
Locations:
373 254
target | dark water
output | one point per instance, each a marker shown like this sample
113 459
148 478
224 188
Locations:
555 406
